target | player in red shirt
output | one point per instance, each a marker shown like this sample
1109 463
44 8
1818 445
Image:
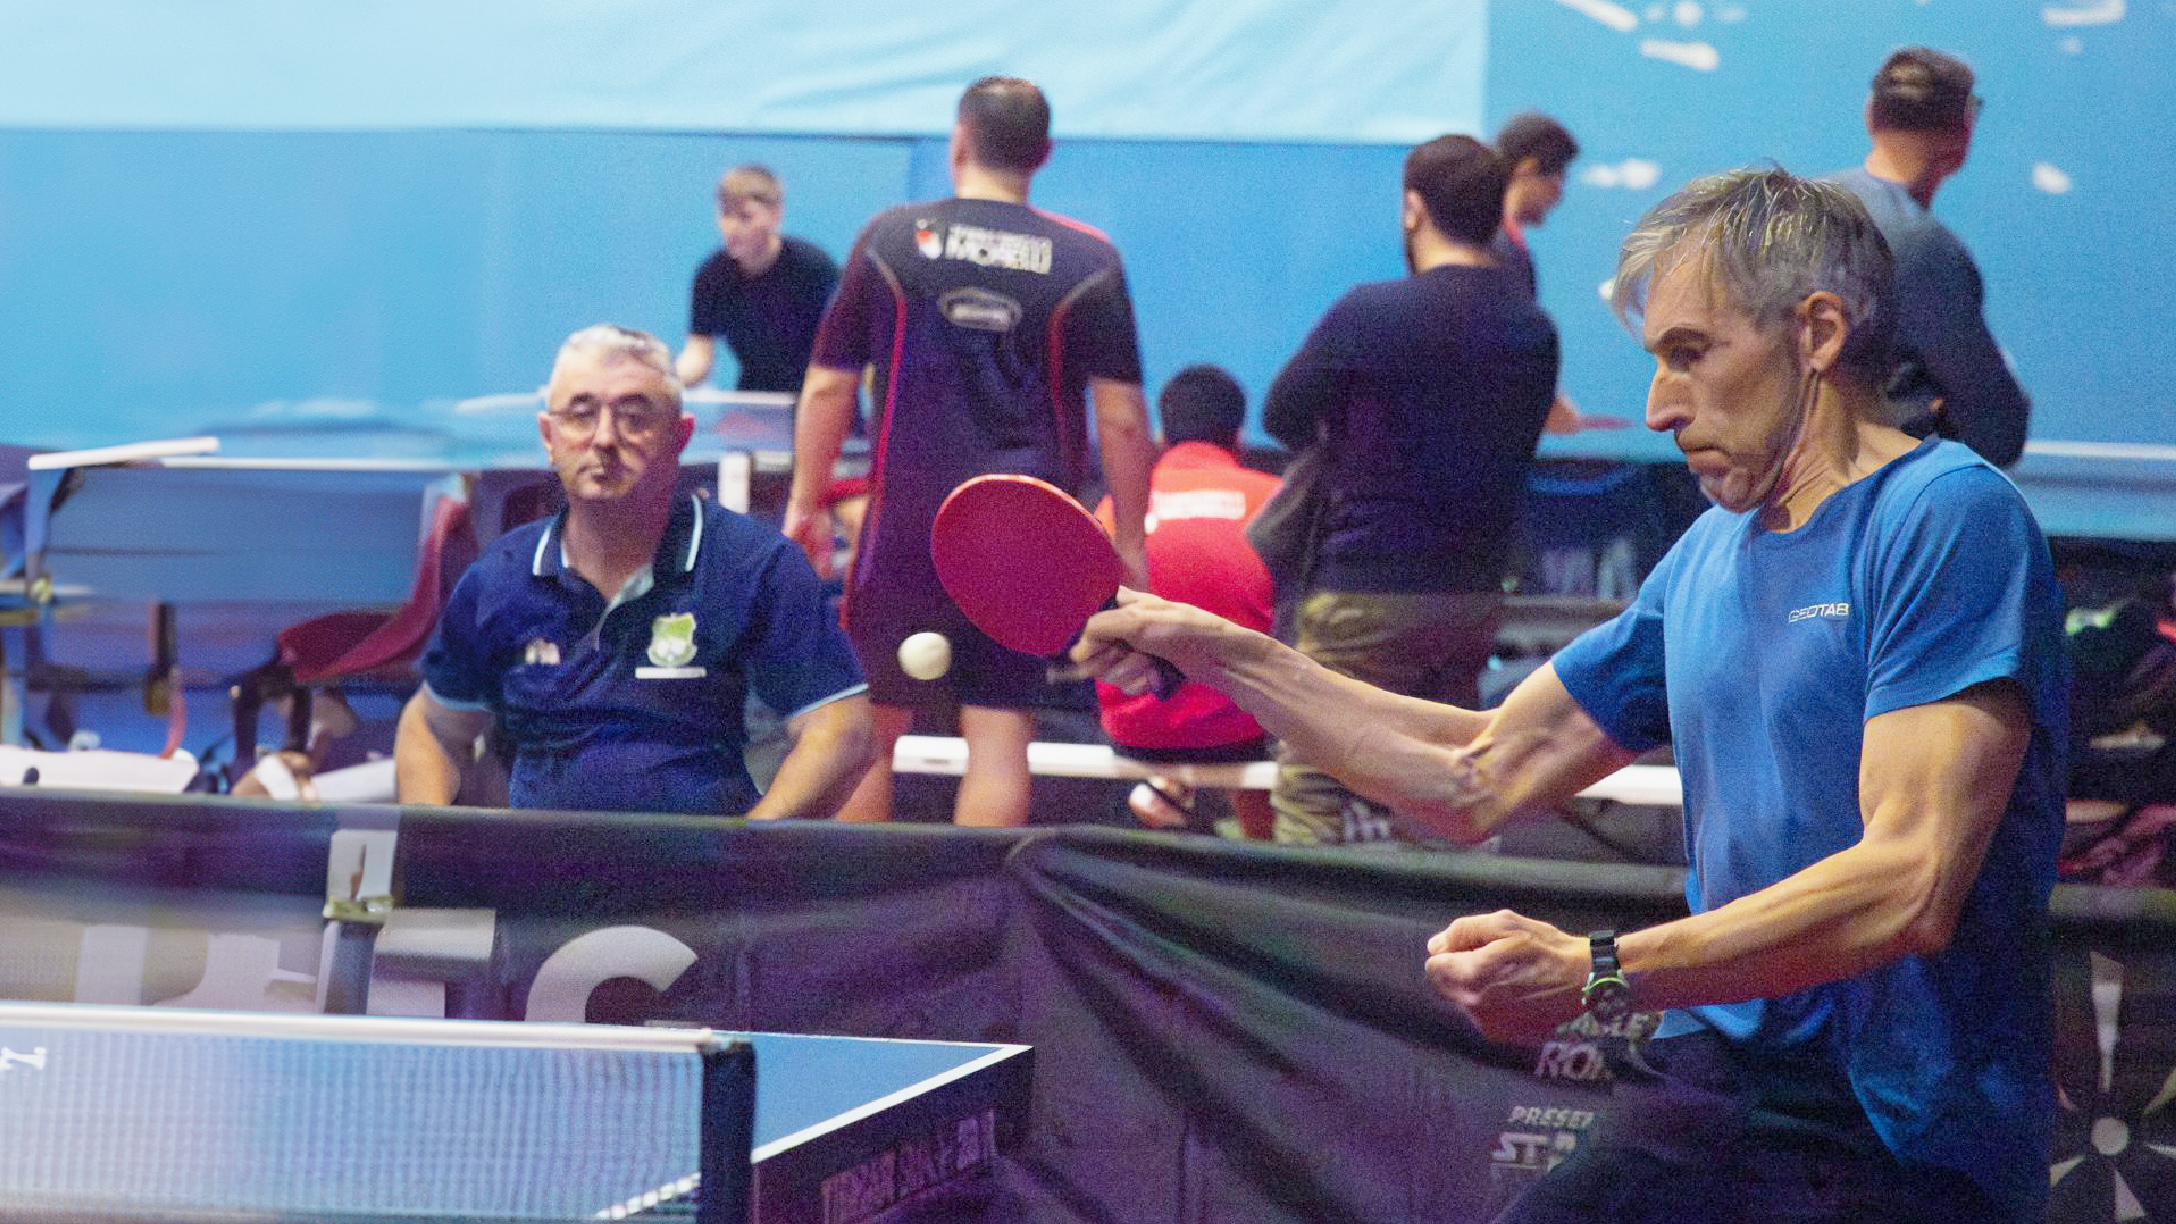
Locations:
1200 499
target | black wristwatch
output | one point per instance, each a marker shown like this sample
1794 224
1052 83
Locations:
1607 995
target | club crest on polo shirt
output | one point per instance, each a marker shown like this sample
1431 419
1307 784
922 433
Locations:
672 639
540 653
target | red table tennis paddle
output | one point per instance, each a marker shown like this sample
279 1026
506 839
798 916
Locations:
1027 564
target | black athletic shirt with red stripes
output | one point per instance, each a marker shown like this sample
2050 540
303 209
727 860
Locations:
983 322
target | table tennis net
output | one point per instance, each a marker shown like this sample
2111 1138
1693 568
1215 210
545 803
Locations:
101 1123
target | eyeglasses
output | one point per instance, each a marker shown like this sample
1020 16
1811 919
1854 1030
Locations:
634 418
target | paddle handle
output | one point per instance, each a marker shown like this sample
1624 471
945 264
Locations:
1164 682
1167 679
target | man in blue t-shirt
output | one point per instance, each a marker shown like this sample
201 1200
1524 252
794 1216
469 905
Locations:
988 329
1951 377
614 644
1856 657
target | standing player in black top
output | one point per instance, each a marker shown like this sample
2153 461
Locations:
989 326
1432 390
762 291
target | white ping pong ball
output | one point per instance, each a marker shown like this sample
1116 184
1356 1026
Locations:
925 655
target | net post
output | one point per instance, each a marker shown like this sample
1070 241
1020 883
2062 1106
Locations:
728 1130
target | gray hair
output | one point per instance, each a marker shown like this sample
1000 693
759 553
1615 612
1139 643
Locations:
1768 239
608 343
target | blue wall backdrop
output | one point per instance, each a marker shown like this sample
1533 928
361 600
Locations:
252 211
2065 203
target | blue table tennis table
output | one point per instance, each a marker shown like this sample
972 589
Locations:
256 527
157 1114
324 515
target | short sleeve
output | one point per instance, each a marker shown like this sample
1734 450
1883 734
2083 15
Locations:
454 665
1615 670
822 274
796 655
1102 330
1312 383
1955 592
706 305
842 338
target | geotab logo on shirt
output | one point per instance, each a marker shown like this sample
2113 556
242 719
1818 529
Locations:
1824 611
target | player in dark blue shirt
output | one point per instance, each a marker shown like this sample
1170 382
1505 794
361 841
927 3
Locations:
615 643
987 326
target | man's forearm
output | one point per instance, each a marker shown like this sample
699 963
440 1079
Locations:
821 422
1455 770
832 748
1129 454
693 365
1848 913
425 768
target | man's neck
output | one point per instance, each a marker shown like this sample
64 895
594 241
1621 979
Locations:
608 542
764 259
1205 449
1432 249
1840 447
1901 160
1513 230
973 182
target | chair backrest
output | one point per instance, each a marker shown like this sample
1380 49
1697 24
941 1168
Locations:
327 648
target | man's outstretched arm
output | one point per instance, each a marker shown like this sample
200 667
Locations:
1460 772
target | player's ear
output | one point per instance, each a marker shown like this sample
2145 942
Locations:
1822 331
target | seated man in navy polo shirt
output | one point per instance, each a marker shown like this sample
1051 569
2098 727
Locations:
632 700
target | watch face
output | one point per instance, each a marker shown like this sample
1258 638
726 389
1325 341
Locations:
1607 998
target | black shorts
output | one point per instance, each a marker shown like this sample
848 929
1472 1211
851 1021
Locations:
983 673
1696 1136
